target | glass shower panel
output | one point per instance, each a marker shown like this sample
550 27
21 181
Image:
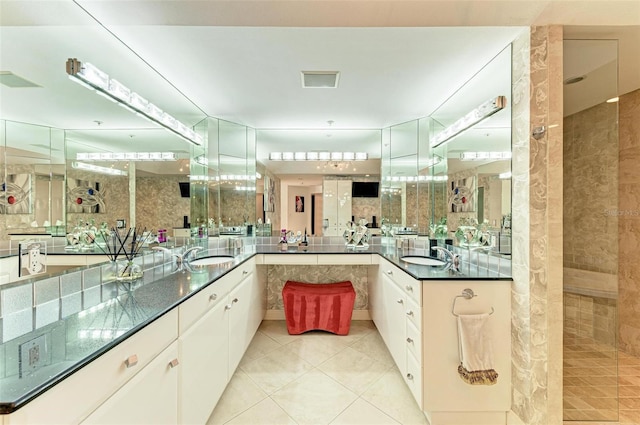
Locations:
590 178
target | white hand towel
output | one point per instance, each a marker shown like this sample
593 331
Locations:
475 346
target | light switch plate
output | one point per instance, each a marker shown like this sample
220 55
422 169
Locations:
33 355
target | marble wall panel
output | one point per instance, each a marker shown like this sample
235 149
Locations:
17 222
629 224
159 204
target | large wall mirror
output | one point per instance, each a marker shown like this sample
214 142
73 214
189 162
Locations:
438 186
478 160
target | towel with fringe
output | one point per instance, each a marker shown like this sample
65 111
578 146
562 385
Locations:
475 348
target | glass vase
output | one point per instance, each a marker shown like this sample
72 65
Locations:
127 271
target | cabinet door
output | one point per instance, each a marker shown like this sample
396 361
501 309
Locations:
395 303
204 358
330 206
150 397
244 318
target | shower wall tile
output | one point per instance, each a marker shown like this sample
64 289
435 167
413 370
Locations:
629 224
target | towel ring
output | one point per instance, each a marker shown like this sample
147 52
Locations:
467 294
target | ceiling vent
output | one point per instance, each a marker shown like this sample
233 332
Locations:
320 79
10 79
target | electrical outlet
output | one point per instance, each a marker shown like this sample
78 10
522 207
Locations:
121 223
32 356
35 261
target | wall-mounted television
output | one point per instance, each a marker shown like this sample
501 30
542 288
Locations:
184 189
364 189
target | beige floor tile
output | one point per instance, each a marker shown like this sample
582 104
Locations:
391 395
354 370
241 394
267 412
316 347
261 345
314 398
358 330
373 346
276 369
277 330
363 413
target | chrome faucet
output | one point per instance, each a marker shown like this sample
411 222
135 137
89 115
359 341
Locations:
181 259
453 260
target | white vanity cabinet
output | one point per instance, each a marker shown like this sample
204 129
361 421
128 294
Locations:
77 397
395 303
416 322
216 327
150 397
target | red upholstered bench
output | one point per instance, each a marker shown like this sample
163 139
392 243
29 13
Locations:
318 306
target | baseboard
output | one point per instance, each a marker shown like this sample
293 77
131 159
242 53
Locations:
279 315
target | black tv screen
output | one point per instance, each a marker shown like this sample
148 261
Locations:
184 189
364 189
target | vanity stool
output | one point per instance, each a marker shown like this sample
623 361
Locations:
318 306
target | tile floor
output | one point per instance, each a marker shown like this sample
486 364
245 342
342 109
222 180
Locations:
599 384
317 378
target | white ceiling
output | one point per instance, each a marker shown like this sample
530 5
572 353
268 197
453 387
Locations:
241 61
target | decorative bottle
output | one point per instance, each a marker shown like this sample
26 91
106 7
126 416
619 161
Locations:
283 240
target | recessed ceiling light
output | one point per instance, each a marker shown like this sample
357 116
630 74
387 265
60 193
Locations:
613 99
573 80
320 79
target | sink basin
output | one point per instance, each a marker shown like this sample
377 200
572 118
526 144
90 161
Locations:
423 261
210 261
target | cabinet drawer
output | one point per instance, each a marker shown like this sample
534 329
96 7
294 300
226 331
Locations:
344 259
290 259
410 286
414 340
413 378
195 307
413 313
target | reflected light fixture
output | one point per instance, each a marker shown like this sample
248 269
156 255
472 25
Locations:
505 175
96 80
472 118
126 156
318 156
98 169
483 156
416 178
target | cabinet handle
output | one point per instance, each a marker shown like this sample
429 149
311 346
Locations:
235 300
131 361
409 288
228 307
389 272
409 377
213 297
400 301
173 363
244 272
409 313
409 340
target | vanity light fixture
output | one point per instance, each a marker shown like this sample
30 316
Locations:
472 118
483 156
416 179
318 156
126 156
96 80
98 169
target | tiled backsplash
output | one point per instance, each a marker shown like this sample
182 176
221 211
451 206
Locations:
33 304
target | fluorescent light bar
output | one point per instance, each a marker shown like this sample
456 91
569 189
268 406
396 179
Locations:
126 156
318 156
98 169
91 77
472 118
416 178
483 156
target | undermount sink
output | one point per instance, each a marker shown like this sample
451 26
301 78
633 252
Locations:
211 261
423 261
